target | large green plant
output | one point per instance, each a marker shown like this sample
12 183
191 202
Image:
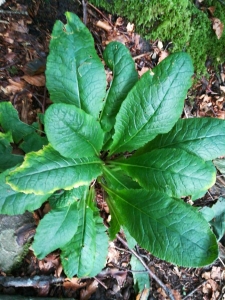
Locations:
131 141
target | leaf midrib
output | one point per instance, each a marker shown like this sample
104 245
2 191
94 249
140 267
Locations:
133 136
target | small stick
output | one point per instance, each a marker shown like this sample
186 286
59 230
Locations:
163 286
36 281
191 293
84 3
13 12
100 282
141 55
104 17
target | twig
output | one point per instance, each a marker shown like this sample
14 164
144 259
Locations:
141 55
191 293
84 3
36 281
163 286
13 12
104 17
100 282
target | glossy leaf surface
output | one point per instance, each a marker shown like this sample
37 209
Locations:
55 230
72 66
173 171
117 57
46 171
7 158
9 121
72 132
216 216
169 228
86 253
204 137
16 203
146 112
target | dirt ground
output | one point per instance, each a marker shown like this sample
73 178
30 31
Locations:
25 30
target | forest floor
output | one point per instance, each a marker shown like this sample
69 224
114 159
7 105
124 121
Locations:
25 30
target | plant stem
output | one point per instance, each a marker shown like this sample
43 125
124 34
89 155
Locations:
84 3
191 293
163 286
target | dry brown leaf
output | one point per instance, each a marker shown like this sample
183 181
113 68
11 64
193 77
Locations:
142 71
119 22
137 41
219 102
51 261
59 270
176 295
73 283
104 25
143 295
218 27
160 45
130 27
10 57
222 87
117 37
20 26
206 288
85 294
120 276
211 9
216 273
37 80
221 114
113 254
14 87
163 54
206 275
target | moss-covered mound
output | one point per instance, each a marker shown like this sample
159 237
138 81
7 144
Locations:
178 21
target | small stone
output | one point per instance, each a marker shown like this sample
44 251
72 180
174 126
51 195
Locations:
11 253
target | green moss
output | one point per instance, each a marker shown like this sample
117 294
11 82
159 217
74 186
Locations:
178 21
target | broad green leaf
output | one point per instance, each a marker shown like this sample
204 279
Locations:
101 247
141 280
9 121
5 140
130 240
216 216
16 203
72 132
146 112
46 171
85 254
7 159
116 179
173 171
55 230
114 224
67 197
75 73
220 164
204 137
33 142
167 227
119 60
